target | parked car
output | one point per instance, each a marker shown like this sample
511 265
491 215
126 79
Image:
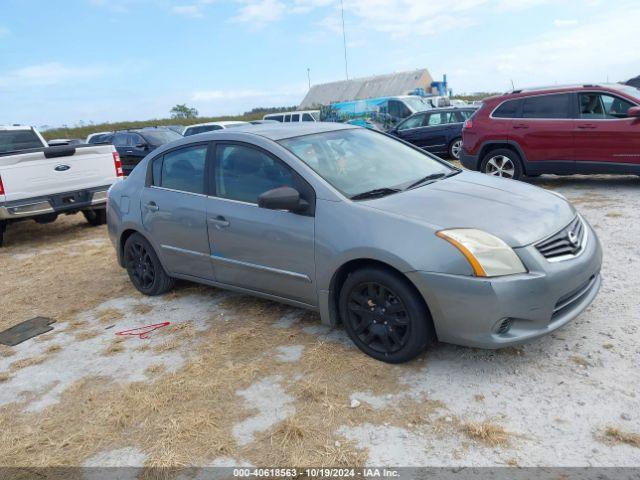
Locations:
260 122
40 182
210 126
297 116
95 138
135 144
176 128
561 130
438 130
363 228
56 142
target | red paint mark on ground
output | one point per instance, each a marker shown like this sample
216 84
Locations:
143 332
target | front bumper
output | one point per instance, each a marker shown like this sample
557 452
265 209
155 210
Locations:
58 203
470 311
471 162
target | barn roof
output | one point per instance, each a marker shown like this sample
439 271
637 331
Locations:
391 84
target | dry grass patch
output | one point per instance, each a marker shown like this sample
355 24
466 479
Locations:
4 376
6 351
608 346
27 362
616 435
488 433
579 360
141 309
88 335
614 214
53 348
116 346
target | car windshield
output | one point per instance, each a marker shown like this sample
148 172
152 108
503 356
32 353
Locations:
417 104
160 137
359 160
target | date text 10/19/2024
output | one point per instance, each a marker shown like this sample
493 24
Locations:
316 472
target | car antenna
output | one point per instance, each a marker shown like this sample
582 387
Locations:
513 87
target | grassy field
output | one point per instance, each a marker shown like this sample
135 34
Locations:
83 131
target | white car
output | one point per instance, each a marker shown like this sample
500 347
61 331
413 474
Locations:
297 116
211 126
40 182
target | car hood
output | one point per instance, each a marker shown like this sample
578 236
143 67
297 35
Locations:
516 212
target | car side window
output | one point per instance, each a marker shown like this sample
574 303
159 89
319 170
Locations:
120 140
412 122
295 117
306 117
243 173
181 169
603 106
136 139
547 106
437 119
508 109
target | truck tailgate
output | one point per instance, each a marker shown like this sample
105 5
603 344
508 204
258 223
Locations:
31 174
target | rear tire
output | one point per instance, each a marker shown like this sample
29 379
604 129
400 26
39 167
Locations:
455 148
502 162
95 217
3 228
384 315
144 267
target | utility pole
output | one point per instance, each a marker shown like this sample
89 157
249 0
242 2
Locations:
309 77
344 41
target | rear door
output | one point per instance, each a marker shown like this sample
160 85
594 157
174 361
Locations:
436 131
604 132
545 130
270 251
173 210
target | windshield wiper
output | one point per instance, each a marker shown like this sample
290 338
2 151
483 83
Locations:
433 176
376 192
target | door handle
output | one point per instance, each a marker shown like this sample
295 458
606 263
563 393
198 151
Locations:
152 207
520 126
586 126
219 221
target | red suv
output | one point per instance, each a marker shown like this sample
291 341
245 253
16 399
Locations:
561 130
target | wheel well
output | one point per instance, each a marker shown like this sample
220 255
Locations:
351 266
494 146
123 239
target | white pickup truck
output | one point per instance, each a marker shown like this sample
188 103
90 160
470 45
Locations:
40 182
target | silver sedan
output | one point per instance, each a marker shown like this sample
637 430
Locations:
399 246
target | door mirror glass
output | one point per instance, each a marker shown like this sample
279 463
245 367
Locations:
282 198
141 145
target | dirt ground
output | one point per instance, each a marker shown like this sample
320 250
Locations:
235 380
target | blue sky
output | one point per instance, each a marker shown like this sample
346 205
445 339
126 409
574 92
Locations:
62 62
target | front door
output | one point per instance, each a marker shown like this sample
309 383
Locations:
411 129
604 132
174 211
269 251
437 131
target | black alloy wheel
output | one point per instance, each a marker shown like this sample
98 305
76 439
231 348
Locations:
144 268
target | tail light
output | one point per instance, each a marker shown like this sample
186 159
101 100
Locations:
118 164
1 187
468 124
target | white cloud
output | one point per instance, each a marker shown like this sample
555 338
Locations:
260 12
192 11
51 73
569 55
562 23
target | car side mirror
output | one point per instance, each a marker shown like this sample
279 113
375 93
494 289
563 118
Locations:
141 145
634 112
283 198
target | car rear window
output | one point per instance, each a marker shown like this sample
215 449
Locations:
16 140
508 109
547 106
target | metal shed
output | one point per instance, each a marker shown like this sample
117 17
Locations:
388 85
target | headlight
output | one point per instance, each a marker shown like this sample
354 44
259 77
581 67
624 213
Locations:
488 255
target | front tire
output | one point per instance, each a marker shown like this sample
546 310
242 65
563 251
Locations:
144 267
455 148
384 316
502 162
95 217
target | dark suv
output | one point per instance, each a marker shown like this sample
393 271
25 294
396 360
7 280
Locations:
134 145
438 131
561 130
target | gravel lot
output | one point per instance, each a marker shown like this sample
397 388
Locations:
237 380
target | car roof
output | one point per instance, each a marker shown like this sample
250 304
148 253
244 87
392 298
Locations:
15 127
523 92
278 131
222 123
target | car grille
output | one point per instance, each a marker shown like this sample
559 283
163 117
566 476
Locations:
567 243
568 300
